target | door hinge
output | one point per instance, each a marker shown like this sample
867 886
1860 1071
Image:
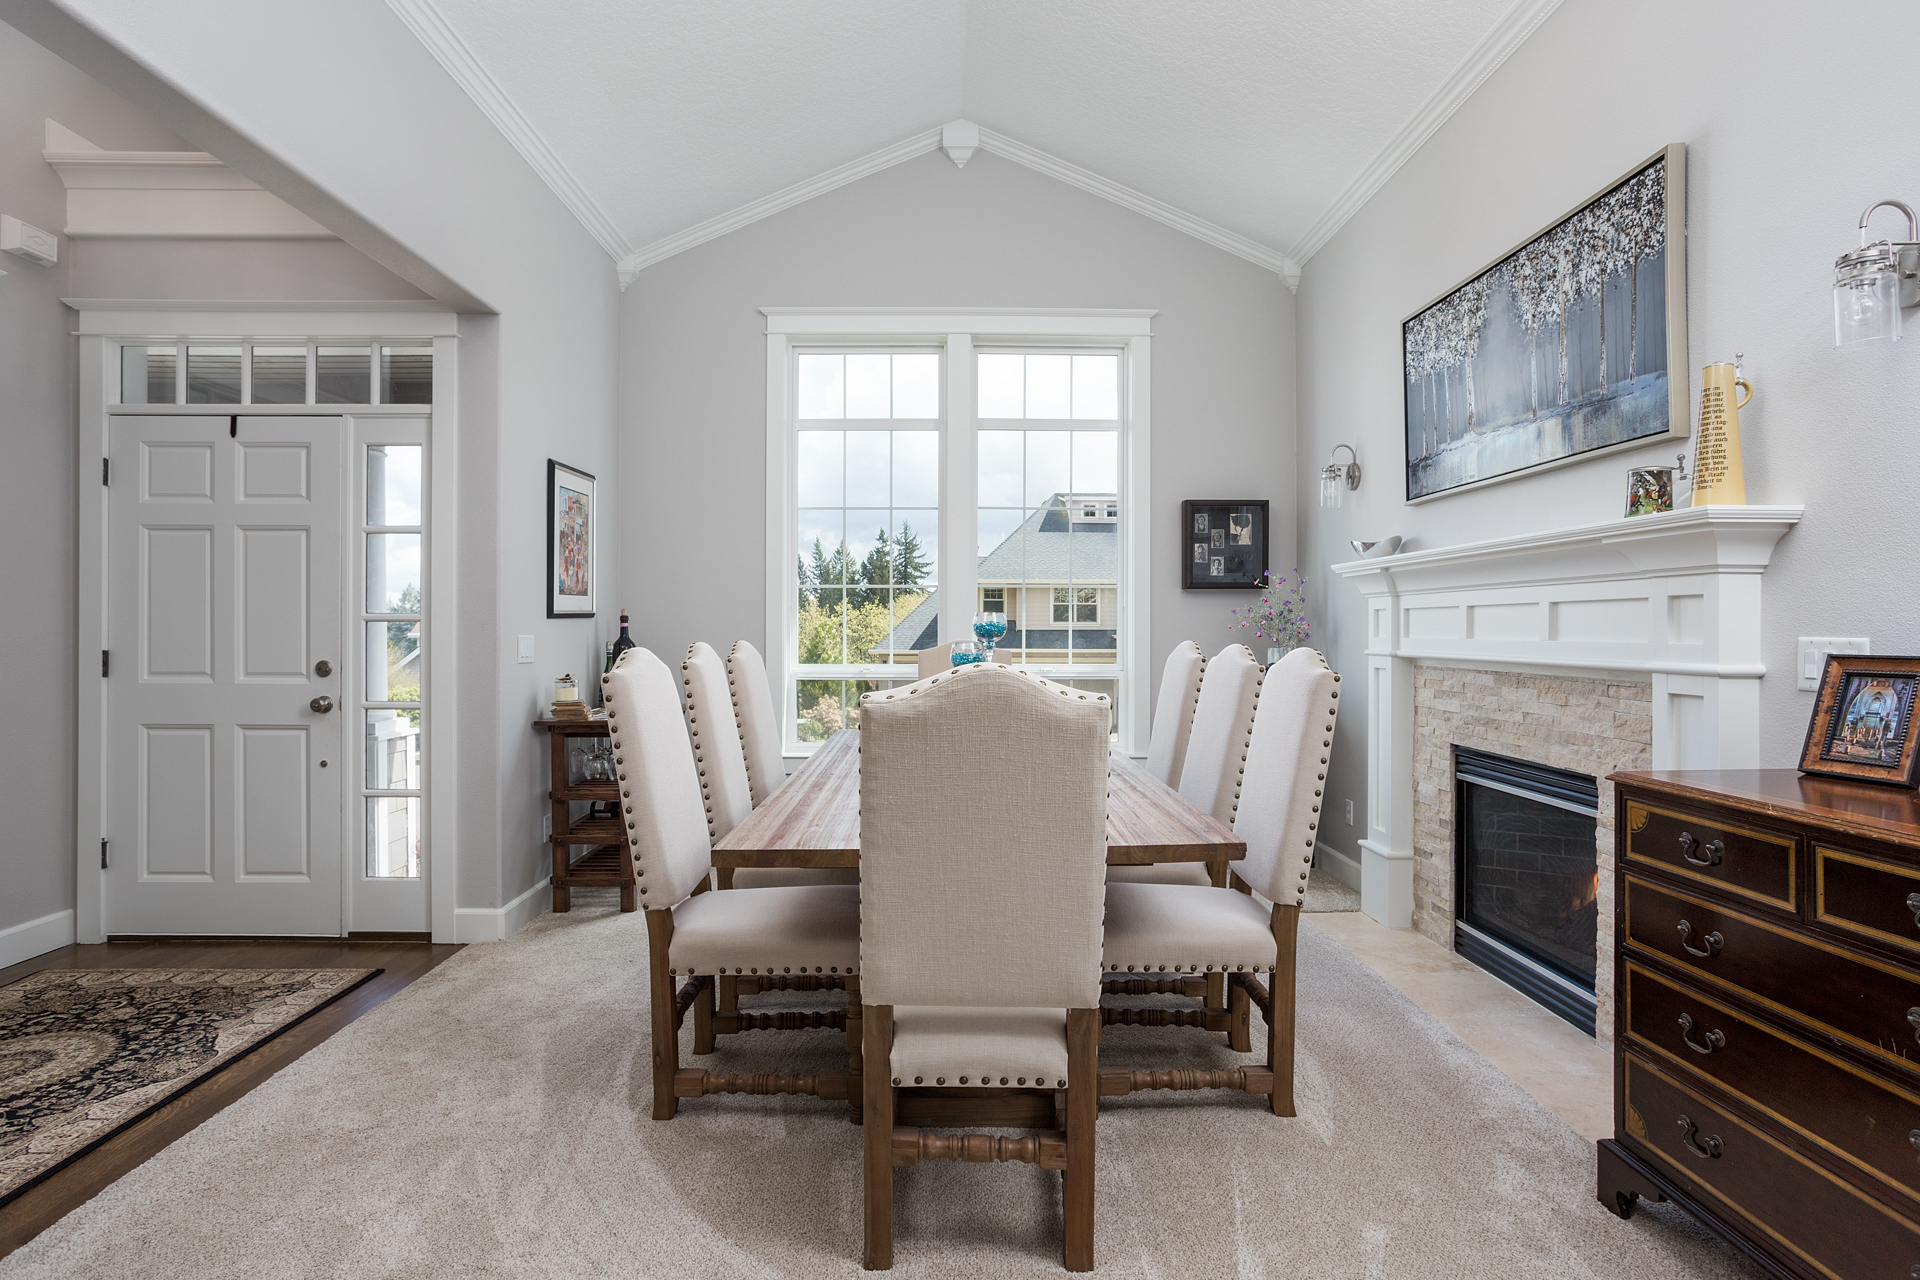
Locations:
104 471
103 664
103 853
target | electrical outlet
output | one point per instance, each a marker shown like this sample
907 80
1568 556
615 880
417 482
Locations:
1349 813
1811 655
546 826
526 649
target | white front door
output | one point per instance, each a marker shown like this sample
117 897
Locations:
224 747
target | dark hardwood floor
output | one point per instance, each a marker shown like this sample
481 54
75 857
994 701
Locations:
40 1206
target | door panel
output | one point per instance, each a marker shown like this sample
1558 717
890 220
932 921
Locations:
274 589
224 591
176 595
176 801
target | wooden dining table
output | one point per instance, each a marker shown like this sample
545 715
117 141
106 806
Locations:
814 820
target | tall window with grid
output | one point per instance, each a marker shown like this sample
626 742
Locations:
392 618
867 431
1049 521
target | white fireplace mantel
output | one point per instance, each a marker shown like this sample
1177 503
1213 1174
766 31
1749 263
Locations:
1673 598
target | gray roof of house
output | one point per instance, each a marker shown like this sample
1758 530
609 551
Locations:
1038 551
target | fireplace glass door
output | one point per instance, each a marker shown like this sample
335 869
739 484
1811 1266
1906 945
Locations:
1527 876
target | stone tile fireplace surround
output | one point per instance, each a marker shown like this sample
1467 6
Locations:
1631 644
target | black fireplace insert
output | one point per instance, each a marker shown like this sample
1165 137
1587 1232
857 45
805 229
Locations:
1526 877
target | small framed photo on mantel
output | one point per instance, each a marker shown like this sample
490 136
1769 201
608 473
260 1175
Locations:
1223 545
570 532
1863 721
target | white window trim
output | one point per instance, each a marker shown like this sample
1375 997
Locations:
104 324
957 331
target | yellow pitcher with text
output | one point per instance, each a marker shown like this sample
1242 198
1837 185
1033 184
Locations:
1719 477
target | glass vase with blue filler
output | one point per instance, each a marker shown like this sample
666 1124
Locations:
965 653
989 627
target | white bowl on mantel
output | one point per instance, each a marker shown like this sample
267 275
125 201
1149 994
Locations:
1374 550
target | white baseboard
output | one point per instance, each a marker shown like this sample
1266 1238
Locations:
1337 864
35 937
491 924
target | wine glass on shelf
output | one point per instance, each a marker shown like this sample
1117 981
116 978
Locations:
966 652
989 627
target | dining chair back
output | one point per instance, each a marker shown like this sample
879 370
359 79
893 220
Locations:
1222 719
717 754
1280 802
1173 713
759 724
978 787
659 784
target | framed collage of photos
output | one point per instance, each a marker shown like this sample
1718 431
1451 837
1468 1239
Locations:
570 532
1224 547
1863 721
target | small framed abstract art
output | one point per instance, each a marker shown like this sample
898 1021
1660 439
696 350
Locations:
1223 545
1863 726
570 532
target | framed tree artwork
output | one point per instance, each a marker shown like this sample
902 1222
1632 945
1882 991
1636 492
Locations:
570 534
1223 546
1570 346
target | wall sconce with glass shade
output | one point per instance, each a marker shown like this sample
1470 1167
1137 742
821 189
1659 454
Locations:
1337 477
1872 284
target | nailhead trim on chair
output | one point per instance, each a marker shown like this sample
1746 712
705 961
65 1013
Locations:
693 728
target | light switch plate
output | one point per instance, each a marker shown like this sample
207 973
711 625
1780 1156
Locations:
1811 655
546 826
24 240
526 649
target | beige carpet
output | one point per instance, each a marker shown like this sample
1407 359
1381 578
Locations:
1327 892
491 1120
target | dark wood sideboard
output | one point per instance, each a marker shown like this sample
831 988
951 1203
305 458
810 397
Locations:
1767 1015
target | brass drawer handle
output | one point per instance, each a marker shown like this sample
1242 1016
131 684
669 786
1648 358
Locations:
1707 1148
1714 942
1714 850
1714 1039
1913 1139
1913 1020
1913 905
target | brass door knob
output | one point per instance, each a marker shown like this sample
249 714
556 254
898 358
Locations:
322 704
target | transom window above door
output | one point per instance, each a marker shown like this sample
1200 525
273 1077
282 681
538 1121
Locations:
283 371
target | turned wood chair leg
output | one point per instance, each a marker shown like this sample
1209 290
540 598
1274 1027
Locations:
703 1017
666 1035
1239 1020
878 1137
1083 1104
856 1035
1280 995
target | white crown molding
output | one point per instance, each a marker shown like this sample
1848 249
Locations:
785 198
1482 61
453 53
167 195
1127 198
989 140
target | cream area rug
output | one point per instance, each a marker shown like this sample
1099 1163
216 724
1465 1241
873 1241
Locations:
492 1120
1327 892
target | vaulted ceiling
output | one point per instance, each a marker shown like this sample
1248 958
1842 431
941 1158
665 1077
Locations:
1272 121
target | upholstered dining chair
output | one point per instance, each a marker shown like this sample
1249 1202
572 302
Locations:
978 979
1173 713
1216 748
1189 929
696 934
940 658
759 727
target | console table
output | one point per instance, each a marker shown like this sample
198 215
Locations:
1767 1025
610 863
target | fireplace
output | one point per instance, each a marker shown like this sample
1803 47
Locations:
1526 876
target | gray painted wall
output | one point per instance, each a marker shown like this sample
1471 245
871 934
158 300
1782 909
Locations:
995 234
1781 161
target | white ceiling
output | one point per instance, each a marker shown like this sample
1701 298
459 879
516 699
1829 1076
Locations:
1270 120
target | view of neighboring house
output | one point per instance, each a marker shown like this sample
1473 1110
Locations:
1056 577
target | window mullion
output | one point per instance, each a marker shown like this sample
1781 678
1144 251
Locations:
959 489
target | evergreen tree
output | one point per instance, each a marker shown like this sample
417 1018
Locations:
876 571
910 563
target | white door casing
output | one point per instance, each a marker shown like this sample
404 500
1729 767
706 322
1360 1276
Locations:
223 783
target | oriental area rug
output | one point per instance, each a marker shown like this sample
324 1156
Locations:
85 1052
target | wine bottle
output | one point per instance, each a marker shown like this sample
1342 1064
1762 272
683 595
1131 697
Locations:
620 646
